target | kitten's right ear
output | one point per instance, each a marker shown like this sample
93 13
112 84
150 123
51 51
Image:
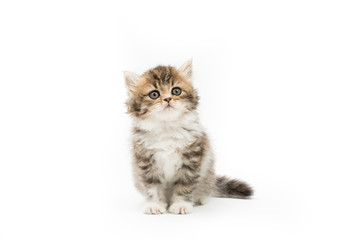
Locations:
186 69
131 80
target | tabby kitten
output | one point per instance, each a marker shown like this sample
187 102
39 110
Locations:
173 162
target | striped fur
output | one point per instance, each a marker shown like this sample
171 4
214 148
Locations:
173 164
231 188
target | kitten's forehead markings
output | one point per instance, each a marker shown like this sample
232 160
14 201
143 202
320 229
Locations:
162 77
162 74
155 76
150 80
155 85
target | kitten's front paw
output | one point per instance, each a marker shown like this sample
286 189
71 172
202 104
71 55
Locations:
181 208
155 208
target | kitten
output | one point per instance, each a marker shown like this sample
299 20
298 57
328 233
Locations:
173 162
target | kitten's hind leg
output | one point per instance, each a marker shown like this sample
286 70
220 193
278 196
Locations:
201 201
204 188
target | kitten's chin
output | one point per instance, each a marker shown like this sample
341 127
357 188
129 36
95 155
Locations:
169 113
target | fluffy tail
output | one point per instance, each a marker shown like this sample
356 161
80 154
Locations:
231 188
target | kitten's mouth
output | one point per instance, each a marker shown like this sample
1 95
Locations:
168 106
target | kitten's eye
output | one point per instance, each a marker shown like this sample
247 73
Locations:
154 94
176 91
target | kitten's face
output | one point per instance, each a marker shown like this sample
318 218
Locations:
163 93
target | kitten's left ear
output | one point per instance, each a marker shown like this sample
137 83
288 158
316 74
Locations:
131 80
186 69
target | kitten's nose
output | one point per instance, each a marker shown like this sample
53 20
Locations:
167 99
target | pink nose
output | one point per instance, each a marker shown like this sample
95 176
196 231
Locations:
167 99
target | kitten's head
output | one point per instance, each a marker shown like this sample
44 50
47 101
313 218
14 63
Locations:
163 93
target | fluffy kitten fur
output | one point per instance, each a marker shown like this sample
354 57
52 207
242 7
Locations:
173 162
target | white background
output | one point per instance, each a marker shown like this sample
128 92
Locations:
279 83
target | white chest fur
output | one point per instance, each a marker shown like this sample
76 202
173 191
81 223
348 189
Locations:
168 164
167 145
167 140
